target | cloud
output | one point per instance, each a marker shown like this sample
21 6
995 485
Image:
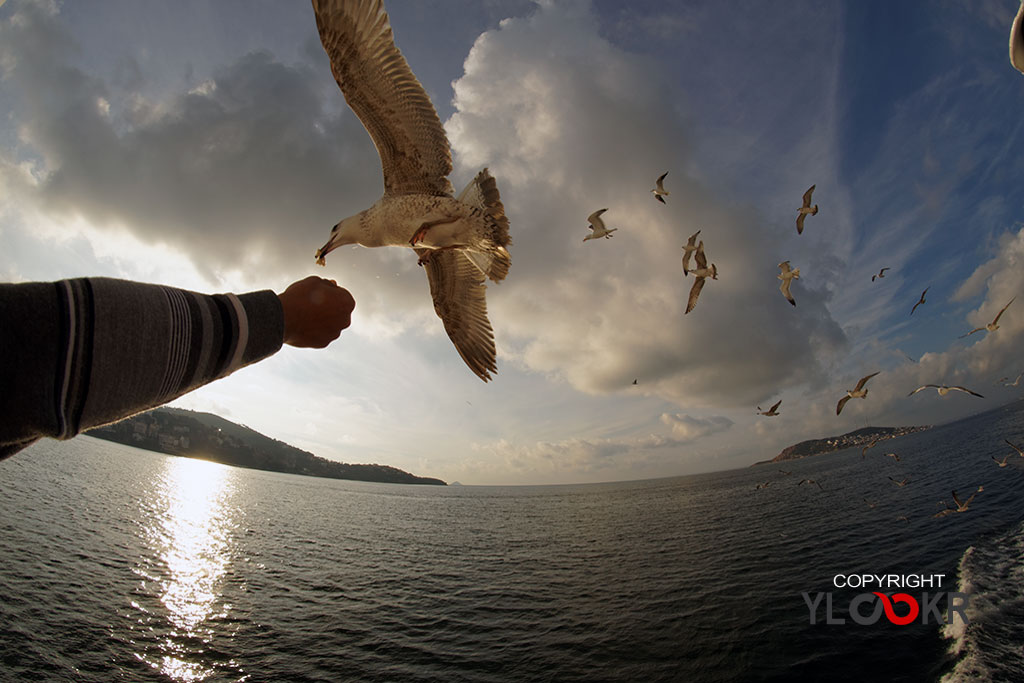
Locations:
686 428
564 119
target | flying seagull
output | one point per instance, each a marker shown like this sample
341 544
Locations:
1001 463
1006 381
689 248
1017 40
881 273
771 412
870 504
597 228
787 276
858 392
863 450
785 473
810 481
699 275
992 326
804 210
460 240
1020 451
763 485
921 301
961 506
659 191
894 456
943 390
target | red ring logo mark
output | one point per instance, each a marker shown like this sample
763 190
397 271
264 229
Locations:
890 613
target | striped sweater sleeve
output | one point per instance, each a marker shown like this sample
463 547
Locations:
76 354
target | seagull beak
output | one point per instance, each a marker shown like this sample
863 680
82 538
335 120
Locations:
322 252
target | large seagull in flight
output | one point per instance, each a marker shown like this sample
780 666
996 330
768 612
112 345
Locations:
460 241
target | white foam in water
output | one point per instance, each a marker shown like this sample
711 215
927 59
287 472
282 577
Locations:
991 575
957 629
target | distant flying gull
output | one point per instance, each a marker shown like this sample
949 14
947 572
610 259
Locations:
634 381
1020 451
943 390
881 273
900 482
1001 463
894 456
689 248
597 227
992 326
763 485
785 473
810 481
858 392
771 412
699 275
865 448
903 518
921 301
1006 381
961 506
660 192
870 504
787 276
1017 40
806 209
460 241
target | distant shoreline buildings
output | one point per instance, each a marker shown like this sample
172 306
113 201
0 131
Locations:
861 437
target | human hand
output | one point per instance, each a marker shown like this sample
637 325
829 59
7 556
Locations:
315 312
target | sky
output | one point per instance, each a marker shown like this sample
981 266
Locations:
205 145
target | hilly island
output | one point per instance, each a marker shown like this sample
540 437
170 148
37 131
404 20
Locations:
175 431
860 437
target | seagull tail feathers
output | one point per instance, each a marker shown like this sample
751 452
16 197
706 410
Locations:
482 193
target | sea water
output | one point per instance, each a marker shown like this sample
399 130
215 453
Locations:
120 564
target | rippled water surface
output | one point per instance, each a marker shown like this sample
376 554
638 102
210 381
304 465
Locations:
119 564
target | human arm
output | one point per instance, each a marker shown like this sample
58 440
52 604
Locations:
80 353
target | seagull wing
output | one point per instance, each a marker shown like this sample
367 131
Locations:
882 271
842 402
864 380
1001 311
775 407
967 391
976 329
956 499
784 288
383 92
1017 41
595 220
457 287
693 239
694 293
700 257
926 386
807 197
800 223
661 178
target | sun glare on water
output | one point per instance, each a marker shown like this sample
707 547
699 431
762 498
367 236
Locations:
190 533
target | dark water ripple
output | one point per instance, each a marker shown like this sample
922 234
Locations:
124 565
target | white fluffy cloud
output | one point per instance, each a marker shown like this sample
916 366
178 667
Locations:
686 428
565 119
